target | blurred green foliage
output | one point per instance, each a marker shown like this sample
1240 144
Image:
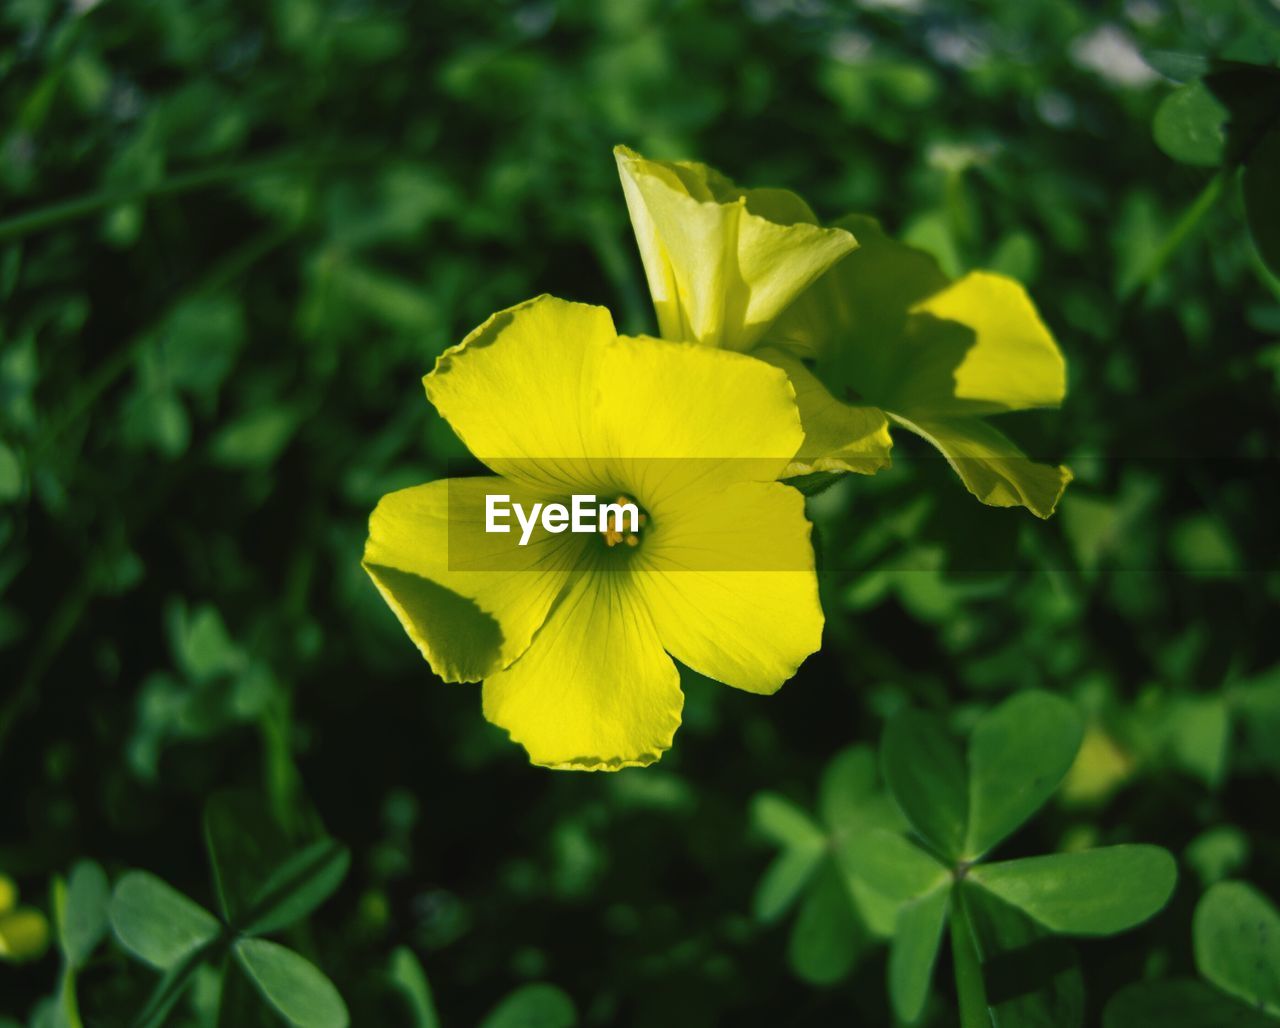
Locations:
233 237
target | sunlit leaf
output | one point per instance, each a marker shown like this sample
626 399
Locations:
1018 755
407 976
779 819
1190 125
294 986
1095 892
82 912
533 1006
891 864
157 923
1237 944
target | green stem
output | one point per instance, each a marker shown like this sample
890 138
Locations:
970 988
70 1006
1178 235
82 206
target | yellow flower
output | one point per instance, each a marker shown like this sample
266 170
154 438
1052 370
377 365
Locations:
571 632
886 326
861 332
24 931
723 263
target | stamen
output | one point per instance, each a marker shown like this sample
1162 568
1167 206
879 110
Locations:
613 533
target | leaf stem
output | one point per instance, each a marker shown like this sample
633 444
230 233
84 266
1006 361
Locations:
971 990
82 206
1178 235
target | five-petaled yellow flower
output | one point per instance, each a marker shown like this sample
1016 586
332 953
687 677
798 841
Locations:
573 635
862 332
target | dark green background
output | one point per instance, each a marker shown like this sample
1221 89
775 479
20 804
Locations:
206 384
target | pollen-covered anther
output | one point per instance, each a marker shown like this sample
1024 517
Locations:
617 523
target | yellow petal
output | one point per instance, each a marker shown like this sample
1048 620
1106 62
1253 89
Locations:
720 268
731 585
8 894
976 347
517 389
471 600
595 691
837 436
547 394
889 329
685 416
992 467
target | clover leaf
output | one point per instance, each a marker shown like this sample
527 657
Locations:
842 910
534 1005
262 887
1236 937
1229 117
961 804
1237 944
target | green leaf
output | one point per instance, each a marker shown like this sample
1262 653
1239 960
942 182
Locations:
82 912
1018 755
256 438
1217 853
537 1005
245 846
156 923
197 344
1032 979
850 799
925 772
892 865
297 989
1197 732
1189 126
407 976
170 989
779 819
1236 933
783 880
1262 198
914 952
876 910
156 418
828 937
297 887
1096 892
1179 1004
201 646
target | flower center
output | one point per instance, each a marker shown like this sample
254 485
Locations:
623 521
